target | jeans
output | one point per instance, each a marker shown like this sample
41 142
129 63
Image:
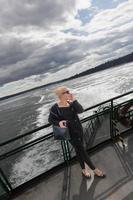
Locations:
81 153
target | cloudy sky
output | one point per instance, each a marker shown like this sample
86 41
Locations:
46 38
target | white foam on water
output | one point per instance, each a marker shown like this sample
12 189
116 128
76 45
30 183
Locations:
42 97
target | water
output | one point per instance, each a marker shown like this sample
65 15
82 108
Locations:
26 112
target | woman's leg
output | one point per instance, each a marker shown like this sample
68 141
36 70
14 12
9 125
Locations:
79 157
81 153
84 158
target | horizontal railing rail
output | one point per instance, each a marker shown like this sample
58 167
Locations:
25 146
41 128
109 100
24 135
38 140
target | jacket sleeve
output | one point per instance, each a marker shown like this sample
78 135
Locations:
53 117
77 106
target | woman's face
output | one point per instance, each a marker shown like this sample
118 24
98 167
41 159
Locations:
67 95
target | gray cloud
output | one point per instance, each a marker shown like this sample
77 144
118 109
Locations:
29 46
24 60
34 12
12 51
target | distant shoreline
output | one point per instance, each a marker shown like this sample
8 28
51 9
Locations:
109 64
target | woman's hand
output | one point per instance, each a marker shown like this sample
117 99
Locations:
62 124
71 98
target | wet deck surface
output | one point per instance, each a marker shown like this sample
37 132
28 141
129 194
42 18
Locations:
68 183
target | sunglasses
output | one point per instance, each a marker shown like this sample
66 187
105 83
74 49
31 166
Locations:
66 92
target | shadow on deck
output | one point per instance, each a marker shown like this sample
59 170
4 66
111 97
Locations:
68 183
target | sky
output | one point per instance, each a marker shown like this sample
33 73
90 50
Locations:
53 40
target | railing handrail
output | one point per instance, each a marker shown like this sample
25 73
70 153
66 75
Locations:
25 146
38 129
36 141
112 99
23 135
47 125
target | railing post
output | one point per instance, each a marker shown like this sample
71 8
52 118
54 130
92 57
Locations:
5 181
5 186
111 121
66 150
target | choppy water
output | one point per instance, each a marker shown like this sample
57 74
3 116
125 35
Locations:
24 113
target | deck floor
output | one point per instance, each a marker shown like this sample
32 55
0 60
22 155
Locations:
68 183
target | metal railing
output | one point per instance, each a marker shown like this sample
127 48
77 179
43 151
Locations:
92 124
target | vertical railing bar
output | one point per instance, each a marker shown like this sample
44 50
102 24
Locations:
62 144
69 153
66 150
111 118
7 183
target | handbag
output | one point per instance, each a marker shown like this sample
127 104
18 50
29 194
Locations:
61 133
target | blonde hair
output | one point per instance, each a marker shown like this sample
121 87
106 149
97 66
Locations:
59 90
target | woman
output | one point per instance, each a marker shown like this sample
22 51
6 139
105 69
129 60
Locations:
69 108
